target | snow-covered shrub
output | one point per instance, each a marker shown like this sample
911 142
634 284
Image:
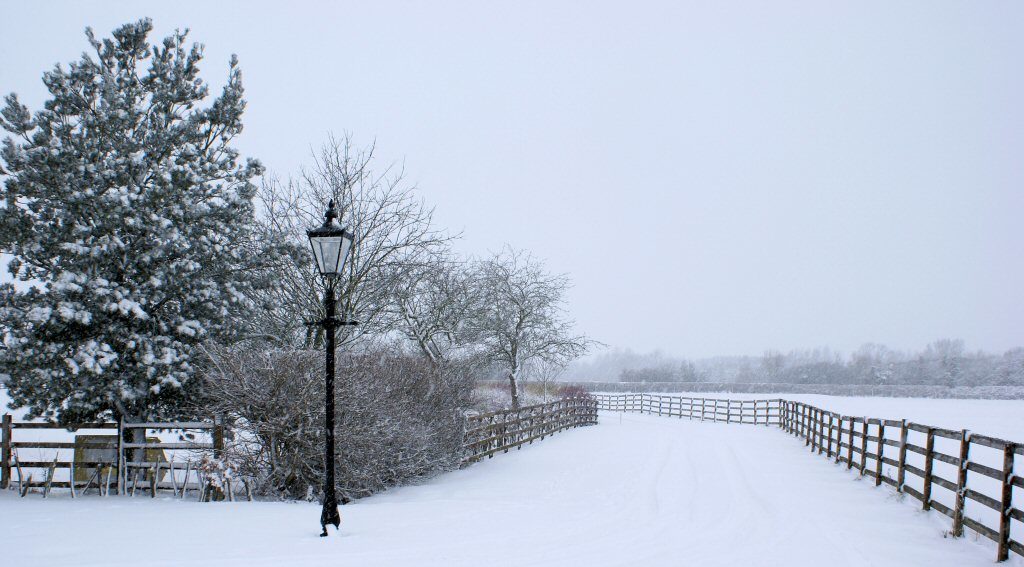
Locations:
398 418
218 474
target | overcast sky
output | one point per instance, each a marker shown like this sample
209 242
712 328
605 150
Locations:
717 177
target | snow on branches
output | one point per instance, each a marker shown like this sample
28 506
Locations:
126 205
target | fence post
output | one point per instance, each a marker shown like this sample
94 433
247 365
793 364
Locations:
832 419
812 418
849 448
821 431
5 453
218 438
864 445
816 434
1003 553
801 420
839 439
901 472
812 428
122 464
961 485
880 453
929 459
807 426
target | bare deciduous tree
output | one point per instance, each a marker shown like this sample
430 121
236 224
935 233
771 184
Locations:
546 373
522 320
394 238
436 304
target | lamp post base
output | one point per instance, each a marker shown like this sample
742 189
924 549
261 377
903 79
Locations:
329 516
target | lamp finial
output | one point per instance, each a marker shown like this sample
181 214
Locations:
331 214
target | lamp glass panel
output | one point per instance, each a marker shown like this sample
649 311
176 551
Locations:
346 247
327 250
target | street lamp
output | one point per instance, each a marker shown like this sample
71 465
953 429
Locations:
331 244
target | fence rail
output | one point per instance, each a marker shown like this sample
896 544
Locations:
489 433
977 495
856 440
109 462
755 412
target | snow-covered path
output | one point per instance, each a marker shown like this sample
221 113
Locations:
635 490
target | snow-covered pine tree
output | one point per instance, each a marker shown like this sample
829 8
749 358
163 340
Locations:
124 201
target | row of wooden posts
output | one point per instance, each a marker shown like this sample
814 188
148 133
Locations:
122 469
860 442
489 433
756 412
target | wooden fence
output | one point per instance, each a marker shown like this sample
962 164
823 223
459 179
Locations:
756 412
976 493
489 433
485 435
857 440
115 461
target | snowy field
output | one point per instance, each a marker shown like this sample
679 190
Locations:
634 490
996 418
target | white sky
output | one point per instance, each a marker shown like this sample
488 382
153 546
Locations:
718 177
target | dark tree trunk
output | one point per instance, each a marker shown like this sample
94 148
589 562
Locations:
514 389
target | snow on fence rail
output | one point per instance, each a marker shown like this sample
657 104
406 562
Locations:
105 459
977 494
757 412
488 433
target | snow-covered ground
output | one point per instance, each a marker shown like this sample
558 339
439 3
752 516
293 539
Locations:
634 490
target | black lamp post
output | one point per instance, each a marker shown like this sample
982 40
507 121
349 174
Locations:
331 244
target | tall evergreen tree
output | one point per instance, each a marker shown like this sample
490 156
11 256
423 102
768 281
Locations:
129 212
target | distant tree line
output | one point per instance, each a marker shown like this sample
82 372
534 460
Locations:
944 362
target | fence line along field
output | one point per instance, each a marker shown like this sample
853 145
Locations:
488 433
